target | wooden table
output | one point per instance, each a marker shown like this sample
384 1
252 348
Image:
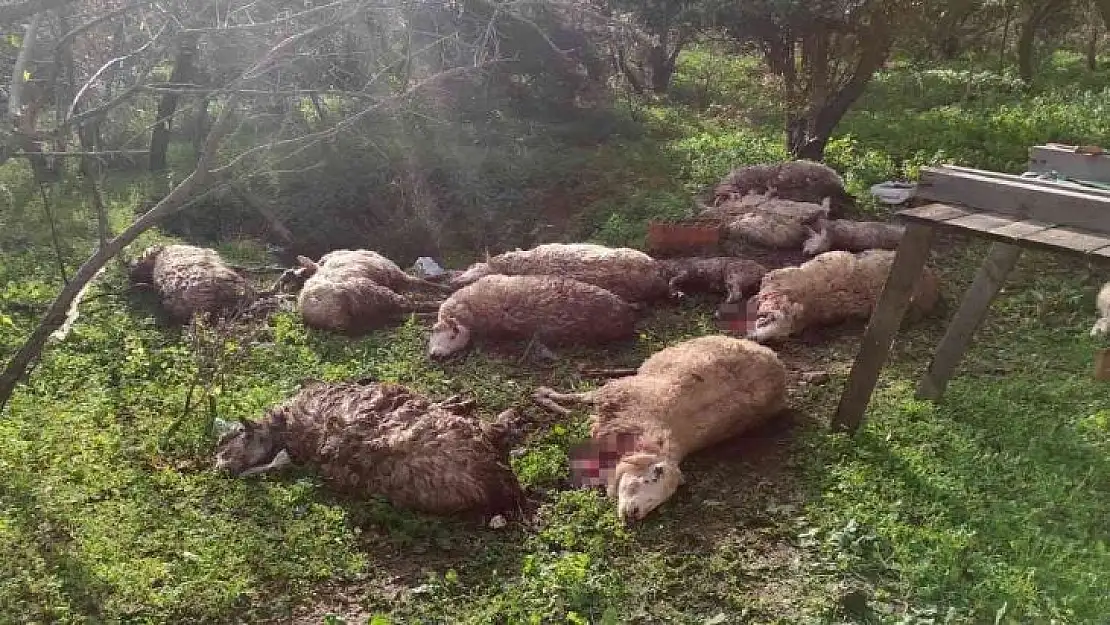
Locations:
1012 211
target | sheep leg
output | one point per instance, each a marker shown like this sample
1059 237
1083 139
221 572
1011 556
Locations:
537 350
548 398
678 279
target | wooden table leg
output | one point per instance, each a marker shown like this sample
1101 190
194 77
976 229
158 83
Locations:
976 302
891 307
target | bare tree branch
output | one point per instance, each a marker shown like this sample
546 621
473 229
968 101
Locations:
100 19
201 176
11 13
19 72
103 68
316 137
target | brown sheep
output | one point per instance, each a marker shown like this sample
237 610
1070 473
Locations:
383 439
630 274
830 288
192 280
682 399
735 277
552 310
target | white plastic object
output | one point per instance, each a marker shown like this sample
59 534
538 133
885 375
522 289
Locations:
428 267
891 192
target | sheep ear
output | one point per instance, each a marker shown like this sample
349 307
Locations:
306 262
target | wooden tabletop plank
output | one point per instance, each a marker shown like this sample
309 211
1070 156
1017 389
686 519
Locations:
1021 199
1068 238
933 212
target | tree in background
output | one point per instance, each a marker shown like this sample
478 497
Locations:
823 52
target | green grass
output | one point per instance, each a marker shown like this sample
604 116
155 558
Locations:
989 507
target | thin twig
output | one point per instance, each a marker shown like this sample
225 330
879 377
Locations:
53 233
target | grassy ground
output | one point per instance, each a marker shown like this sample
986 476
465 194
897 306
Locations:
988 508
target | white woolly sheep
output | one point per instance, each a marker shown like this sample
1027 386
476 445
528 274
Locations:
191 280
768 229
630 274
768 202
734 277
552 310
801 180
830 288
372 438
342 292
851 236
349 264
682 399
1102 304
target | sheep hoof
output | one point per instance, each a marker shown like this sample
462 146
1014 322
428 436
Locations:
498 522
541 397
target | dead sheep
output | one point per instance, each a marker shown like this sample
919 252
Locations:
345 264
768 203
630 274
682 399
353 306
191 280
775 223
769 230
851 236
348 292
800 180
828 289
735 277
1102 304
372 438
551 310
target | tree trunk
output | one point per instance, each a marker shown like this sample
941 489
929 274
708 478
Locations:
629 72
1094 34
183 71
56 314
808 133
1005 36
1028 39
1103 7
661 63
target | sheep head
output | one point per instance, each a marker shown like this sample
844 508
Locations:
776 317
472 274
307 269
448 336
642 482
141 270
250 448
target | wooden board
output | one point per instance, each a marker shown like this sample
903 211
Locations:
1050 184
1024 200
1027 233
973 309
885 321
1068 163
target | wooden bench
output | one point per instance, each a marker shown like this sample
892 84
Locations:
1014 212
